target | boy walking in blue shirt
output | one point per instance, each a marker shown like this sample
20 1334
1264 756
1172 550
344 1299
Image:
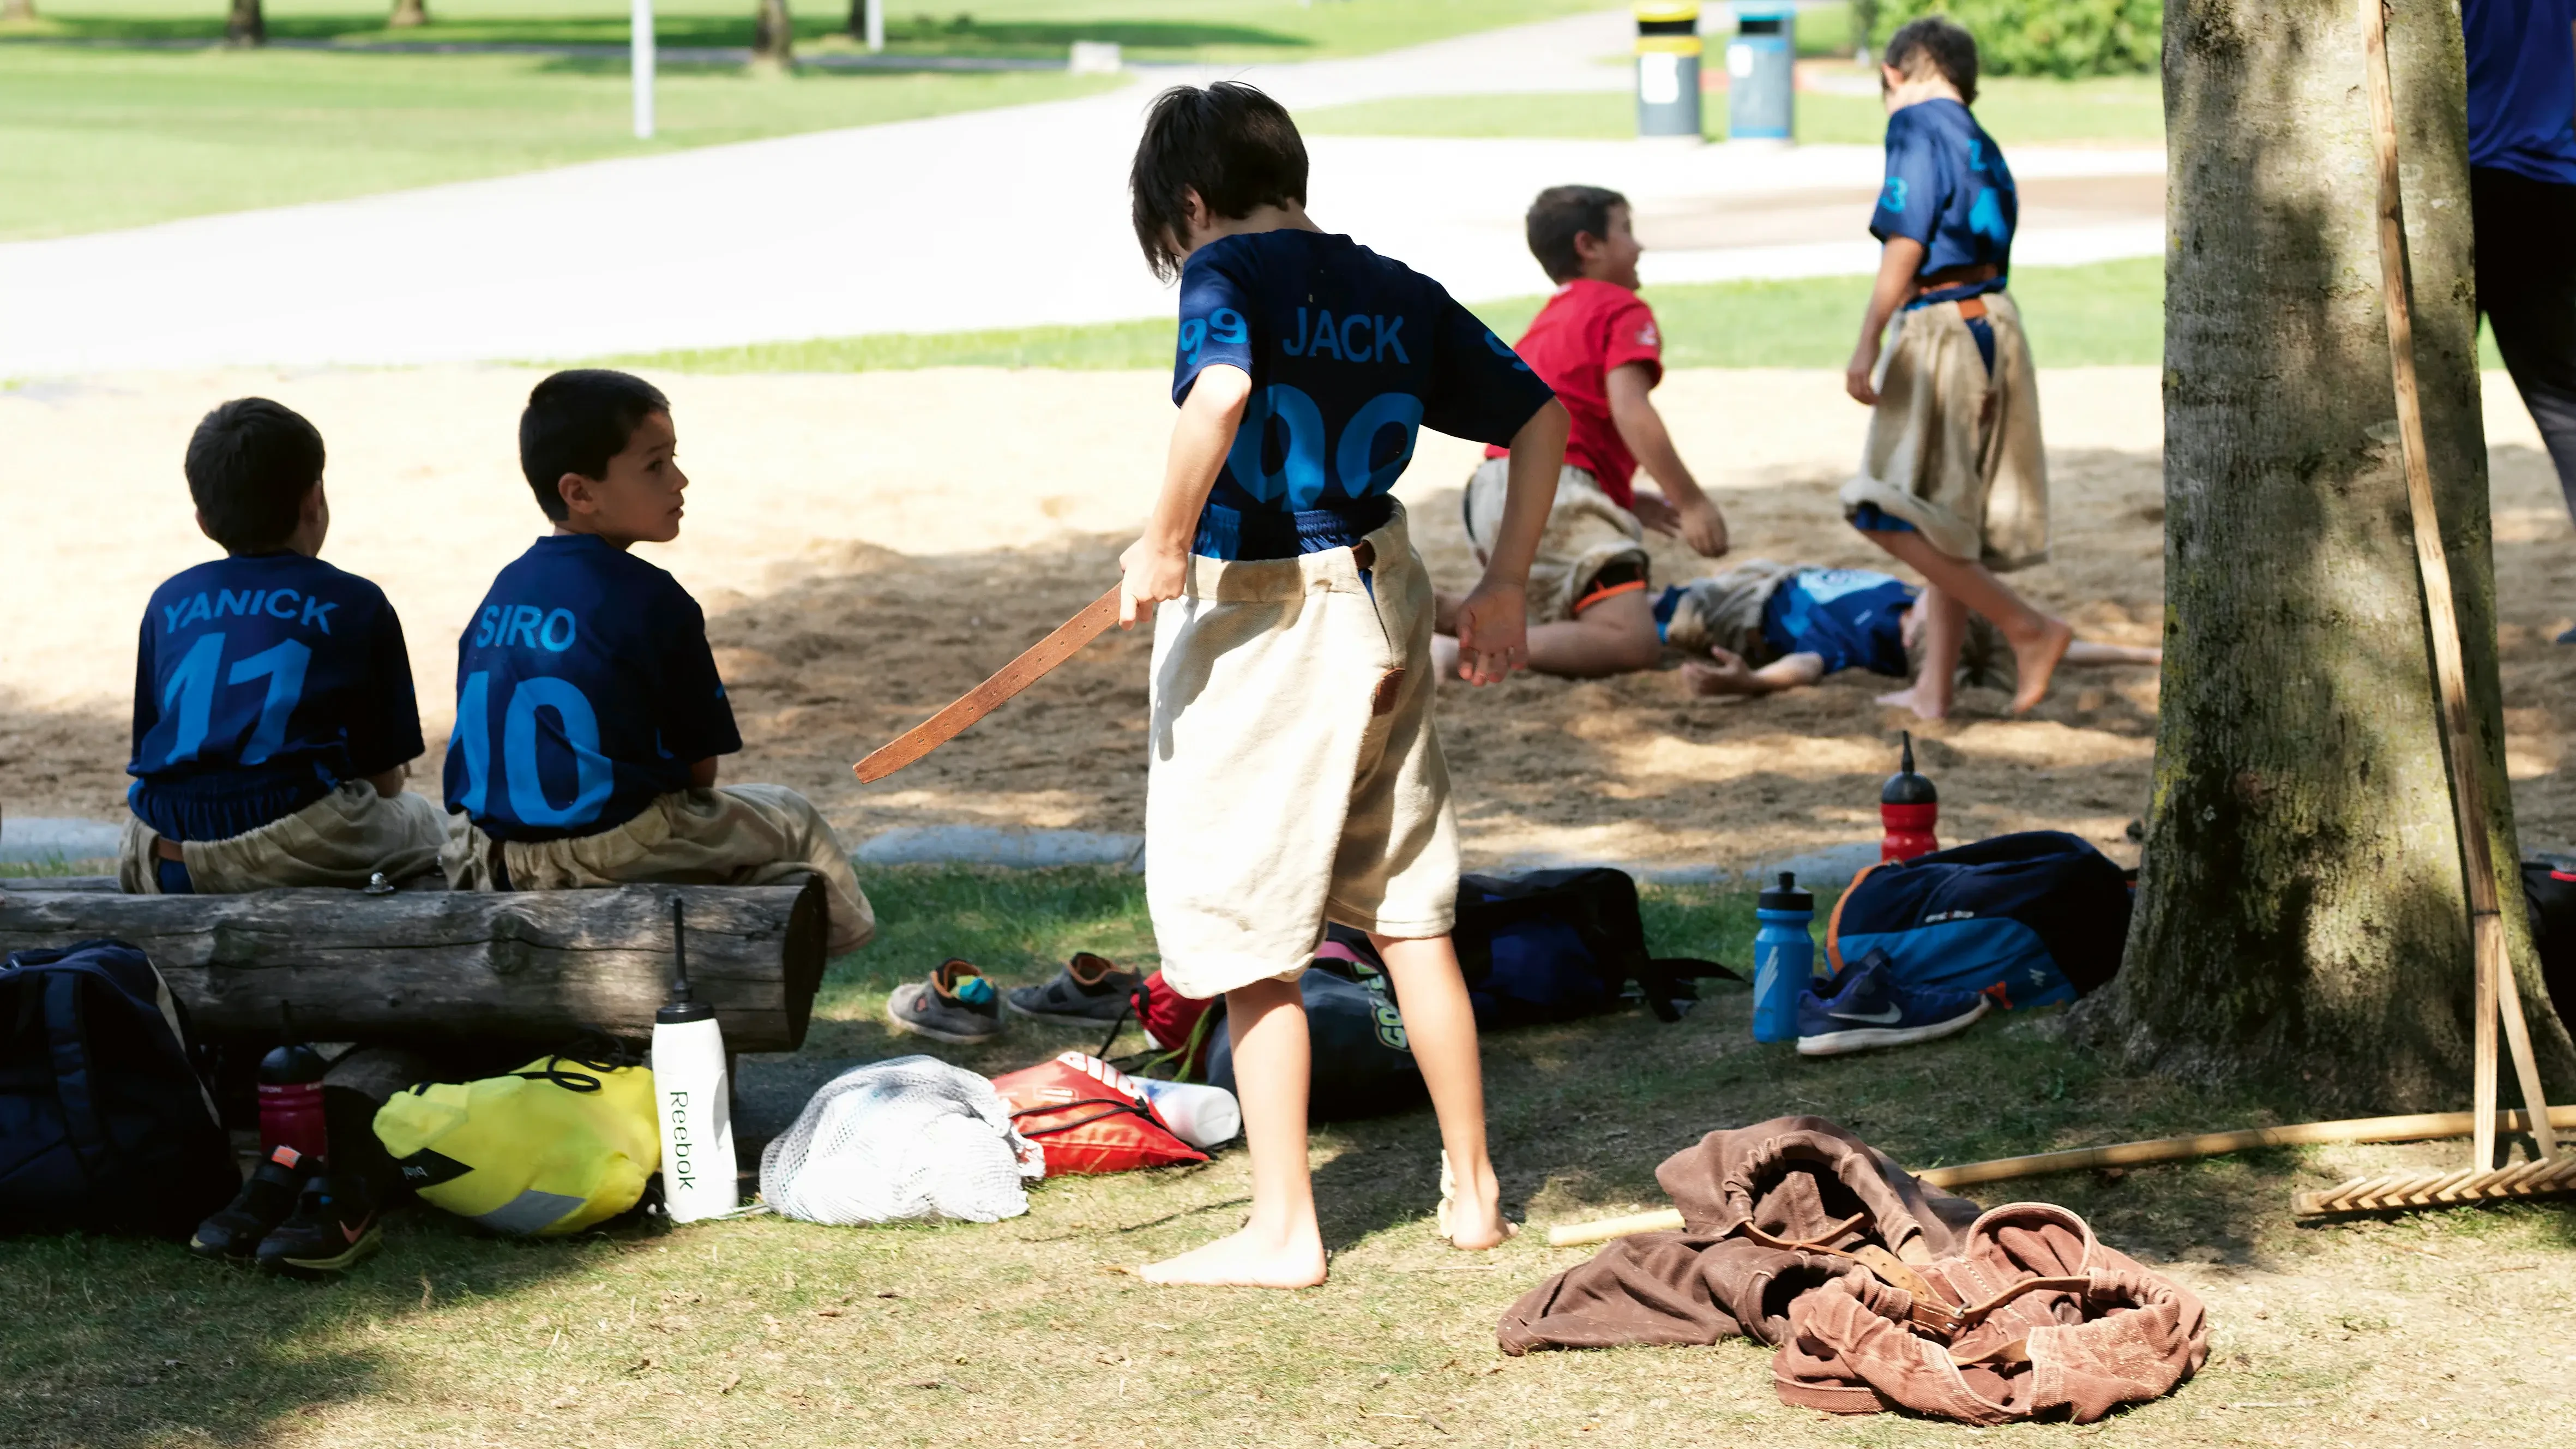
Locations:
273 712
589 715
1295 775
1953 479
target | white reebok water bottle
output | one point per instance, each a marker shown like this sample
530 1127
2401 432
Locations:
1199 1115
694 1096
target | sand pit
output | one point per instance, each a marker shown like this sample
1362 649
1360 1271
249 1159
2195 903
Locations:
869 546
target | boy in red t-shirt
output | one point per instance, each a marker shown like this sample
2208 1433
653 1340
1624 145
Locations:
1596 343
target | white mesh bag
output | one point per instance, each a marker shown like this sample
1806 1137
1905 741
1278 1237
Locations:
908 1138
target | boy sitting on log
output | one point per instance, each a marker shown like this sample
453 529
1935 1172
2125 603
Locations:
273 710
589 715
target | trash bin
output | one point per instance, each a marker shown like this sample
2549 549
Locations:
1761 74
1668 52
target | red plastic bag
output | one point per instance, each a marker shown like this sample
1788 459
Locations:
1089 1117
1172 1023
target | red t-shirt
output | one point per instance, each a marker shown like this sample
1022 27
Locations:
1584 332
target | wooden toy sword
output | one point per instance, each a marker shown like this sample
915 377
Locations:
988 696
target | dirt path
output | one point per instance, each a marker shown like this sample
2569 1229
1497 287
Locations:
869 546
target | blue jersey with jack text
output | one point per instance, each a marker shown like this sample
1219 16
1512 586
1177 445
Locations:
262 681
1948 188
1350 354
584 689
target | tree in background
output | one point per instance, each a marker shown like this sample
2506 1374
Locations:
18 11
1864 23
245 25
407 14
2043 37
773 37
2301 913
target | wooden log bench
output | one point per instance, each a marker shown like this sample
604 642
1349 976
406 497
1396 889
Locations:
437 967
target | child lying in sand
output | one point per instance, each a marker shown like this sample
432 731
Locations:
1762 627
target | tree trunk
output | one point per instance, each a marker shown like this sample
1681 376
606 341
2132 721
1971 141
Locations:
1864 21
434 967
408 14
2301 915
245 25
20 12
773 38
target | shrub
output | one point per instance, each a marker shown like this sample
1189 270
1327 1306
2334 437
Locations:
2045 37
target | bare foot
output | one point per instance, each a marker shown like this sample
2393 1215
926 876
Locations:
1472 1220
1245 1260
1918 700
2036 662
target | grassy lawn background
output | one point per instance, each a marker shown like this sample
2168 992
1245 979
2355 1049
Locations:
791 1335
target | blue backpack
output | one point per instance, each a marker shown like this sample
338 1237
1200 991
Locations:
2030 919
104 1124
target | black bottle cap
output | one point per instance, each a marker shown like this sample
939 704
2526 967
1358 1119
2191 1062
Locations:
1788 895
1906 787
683 1007
291 1065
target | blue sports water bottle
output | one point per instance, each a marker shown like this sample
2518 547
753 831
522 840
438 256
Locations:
1784 958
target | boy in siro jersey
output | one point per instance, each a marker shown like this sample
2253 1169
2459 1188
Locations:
273 711
589 715
1597 344
1295 776
1953 480
1763 627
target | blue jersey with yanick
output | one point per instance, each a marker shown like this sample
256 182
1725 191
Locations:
260 683
1948 188
584 689
1350 354
1846 617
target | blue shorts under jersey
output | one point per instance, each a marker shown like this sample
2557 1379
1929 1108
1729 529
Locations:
260 683
584 689
1948 188
1349 354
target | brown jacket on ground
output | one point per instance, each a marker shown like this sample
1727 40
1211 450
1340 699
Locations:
1791 1180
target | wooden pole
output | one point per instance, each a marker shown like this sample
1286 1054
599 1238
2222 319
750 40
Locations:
2497 993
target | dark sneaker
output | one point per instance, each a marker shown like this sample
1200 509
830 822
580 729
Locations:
1865 1008
1089 991
233 1234
333 1227
956 1004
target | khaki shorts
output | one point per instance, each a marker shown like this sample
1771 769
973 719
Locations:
1586 533
738 835
1954 451
342 839
1295 776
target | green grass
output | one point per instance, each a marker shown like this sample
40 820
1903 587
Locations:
98 139
1152 30
794 1336
2018 112
2109 313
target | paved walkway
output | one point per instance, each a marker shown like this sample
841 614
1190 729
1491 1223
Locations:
989 219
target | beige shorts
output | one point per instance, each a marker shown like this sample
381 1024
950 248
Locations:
1954 451
342 839
1295 776
1586 533
739 835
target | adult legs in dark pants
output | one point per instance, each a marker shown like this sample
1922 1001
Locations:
2526 261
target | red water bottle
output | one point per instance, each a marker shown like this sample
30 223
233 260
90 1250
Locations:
290 1102
1908 807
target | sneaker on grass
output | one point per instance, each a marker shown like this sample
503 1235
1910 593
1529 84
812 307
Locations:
334 1225
234 1234
955 1005
1089 991
1865 1008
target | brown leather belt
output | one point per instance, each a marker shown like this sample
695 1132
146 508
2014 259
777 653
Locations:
165 849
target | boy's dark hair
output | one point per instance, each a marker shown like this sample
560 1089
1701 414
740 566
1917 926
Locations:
1939 43
250 463
576 421
1563 213
1228 142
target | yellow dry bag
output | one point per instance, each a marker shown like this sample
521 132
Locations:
552 1148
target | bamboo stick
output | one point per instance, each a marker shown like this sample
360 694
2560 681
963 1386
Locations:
2411 1127
2495 982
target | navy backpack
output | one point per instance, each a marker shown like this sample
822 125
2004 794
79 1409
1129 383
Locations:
2031 919
104 1124
1363 1062
1558 945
